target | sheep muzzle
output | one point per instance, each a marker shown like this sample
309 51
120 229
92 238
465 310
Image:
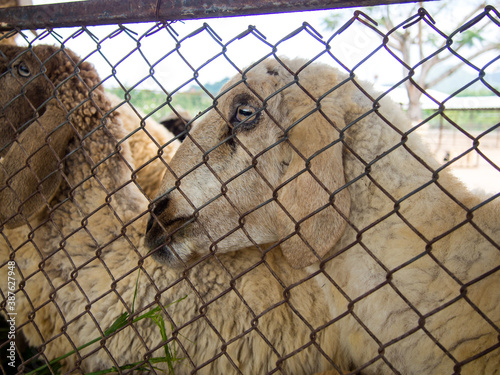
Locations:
166 241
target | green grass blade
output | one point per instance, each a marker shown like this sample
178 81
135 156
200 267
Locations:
120 322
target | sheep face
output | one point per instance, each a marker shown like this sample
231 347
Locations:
34 131
19 73
261 166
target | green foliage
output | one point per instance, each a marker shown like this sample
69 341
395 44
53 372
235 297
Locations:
470 38
333 21
468 120
158 105
155 314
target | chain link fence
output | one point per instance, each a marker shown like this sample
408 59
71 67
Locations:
288 220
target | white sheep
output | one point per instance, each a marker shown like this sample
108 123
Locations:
73 221
302 155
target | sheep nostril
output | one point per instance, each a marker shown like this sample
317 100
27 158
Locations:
161 205
150 223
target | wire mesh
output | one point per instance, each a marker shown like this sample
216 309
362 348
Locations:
124 251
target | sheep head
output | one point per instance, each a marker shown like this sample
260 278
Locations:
24 90
263 166
41 95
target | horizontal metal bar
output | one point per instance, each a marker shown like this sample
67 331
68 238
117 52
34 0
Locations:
102 12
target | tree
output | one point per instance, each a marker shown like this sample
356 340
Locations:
416 43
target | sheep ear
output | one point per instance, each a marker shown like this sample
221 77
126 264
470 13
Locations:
314 210
29 175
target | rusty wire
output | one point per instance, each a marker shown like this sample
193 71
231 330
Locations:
206 299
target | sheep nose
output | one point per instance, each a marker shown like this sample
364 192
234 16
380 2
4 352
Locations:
150 223
159 207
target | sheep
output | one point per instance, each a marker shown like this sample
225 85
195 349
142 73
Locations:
302 156
176 123
73 221
145 142
35 175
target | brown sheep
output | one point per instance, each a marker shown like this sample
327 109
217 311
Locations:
73 221
296 154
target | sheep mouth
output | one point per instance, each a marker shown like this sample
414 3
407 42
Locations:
166 255
173 254
167 243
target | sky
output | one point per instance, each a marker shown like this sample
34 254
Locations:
120 59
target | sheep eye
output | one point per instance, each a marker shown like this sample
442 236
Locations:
23 70
244 113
